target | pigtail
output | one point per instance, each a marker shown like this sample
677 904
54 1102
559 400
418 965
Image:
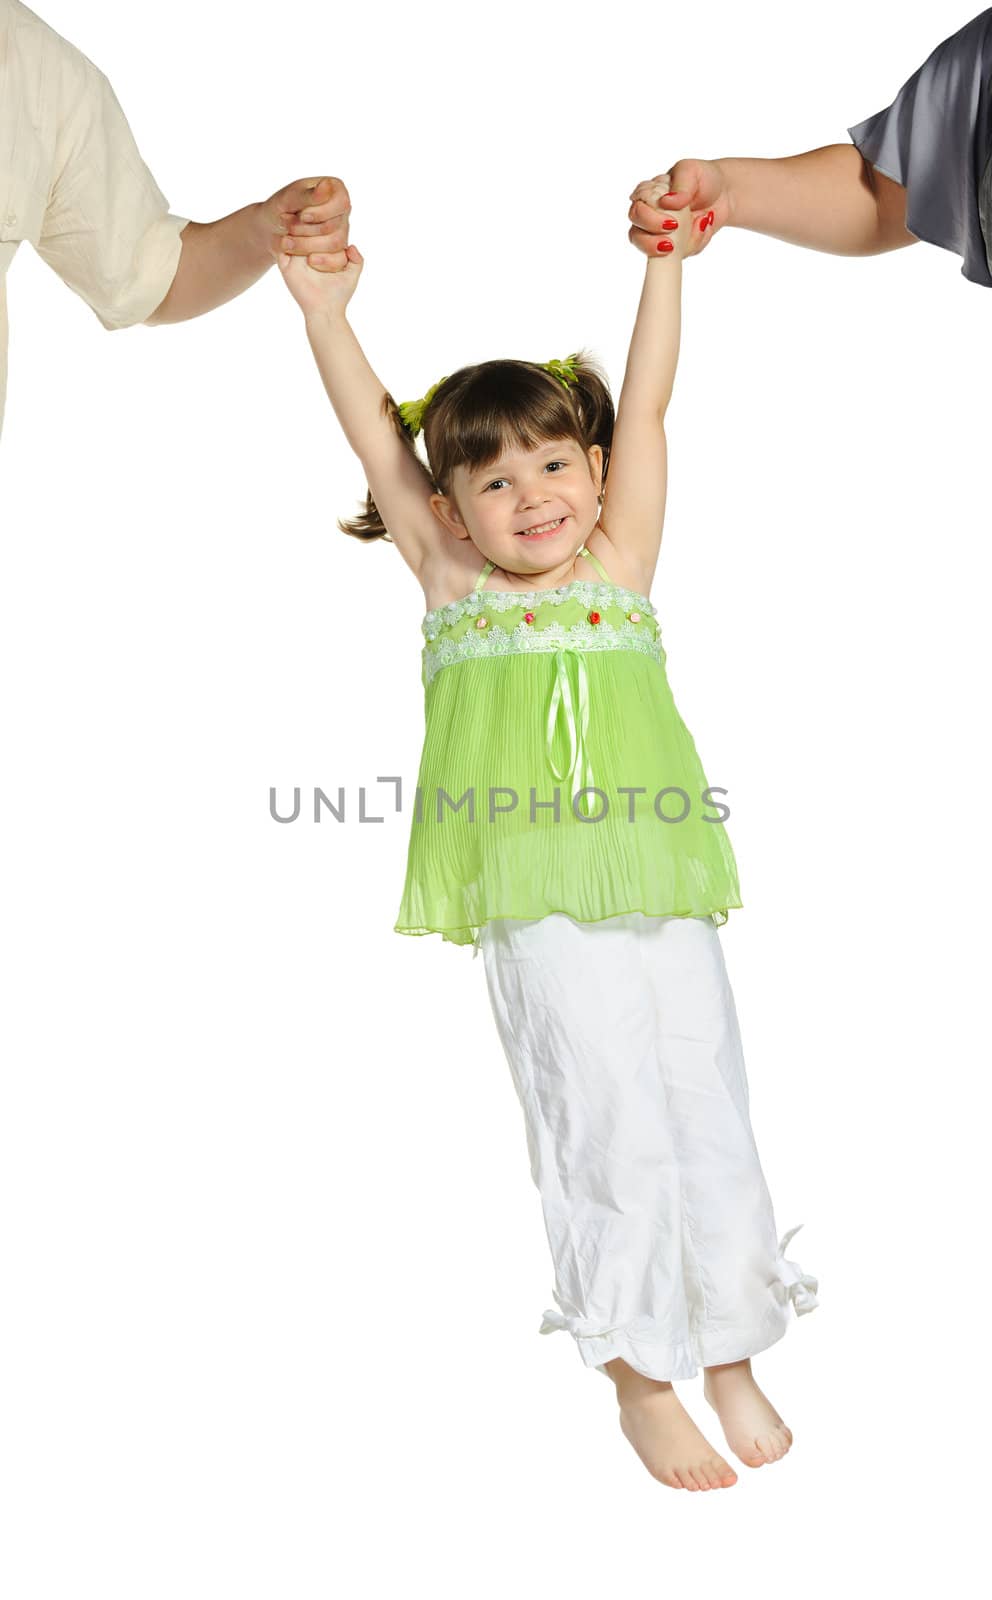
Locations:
590 395
368 525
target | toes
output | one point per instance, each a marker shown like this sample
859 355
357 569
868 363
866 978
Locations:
773 1446
781 1440
666 1476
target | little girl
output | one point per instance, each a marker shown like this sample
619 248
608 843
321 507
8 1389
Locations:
535 534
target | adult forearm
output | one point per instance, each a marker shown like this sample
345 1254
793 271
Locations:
219 260
825 199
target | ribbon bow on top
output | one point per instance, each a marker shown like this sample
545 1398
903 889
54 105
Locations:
564 697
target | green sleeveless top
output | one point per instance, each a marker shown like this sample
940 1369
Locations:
530 699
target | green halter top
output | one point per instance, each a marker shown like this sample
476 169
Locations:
530 699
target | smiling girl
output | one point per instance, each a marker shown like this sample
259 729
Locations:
564 826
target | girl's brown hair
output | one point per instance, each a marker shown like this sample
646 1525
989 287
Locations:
481 410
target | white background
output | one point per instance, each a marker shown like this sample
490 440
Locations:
273 1265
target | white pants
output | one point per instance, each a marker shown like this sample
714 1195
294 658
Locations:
623 1043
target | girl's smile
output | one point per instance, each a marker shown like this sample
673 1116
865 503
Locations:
542 530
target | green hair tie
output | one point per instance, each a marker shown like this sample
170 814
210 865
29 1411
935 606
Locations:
412 411
564 371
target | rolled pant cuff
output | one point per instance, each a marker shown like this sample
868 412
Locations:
715 1349
642 1345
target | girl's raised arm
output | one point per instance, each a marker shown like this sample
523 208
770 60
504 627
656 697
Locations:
398 481
633 511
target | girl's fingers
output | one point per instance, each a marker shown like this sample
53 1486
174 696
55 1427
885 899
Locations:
656 185
656 192
335 261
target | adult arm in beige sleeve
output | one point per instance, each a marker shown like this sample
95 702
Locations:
221 259
110 236
107 229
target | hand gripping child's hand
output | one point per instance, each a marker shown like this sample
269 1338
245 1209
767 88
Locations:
676 234
695 189
326 288
309 217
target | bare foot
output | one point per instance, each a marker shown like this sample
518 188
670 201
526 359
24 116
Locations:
665 1437
752 1427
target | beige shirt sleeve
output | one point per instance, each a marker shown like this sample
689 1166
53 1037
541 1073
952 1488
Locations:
107 229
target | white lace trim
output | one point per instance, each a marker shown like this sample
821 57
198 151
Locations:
588 593
526 640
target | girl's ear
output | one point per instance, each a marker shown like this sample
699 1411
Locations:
595 453
448 515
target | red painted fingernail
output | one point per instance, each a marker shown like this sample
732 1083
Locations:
669 223
665 244
703 222
670 195
711 218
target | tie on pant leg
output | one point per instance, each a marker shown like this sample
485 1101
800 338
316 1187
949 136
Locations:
623 1046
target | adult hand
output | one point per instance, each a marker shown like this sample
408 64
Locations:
696 185
678 234
310 218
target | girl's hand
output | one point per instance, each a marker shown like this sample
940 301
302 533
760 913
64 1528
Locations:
322 288
695 189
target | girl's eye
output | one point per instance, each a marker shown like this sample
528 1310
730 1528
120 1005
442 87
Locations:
505 480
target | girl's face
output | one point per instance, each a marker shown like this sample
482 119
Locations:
530 510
